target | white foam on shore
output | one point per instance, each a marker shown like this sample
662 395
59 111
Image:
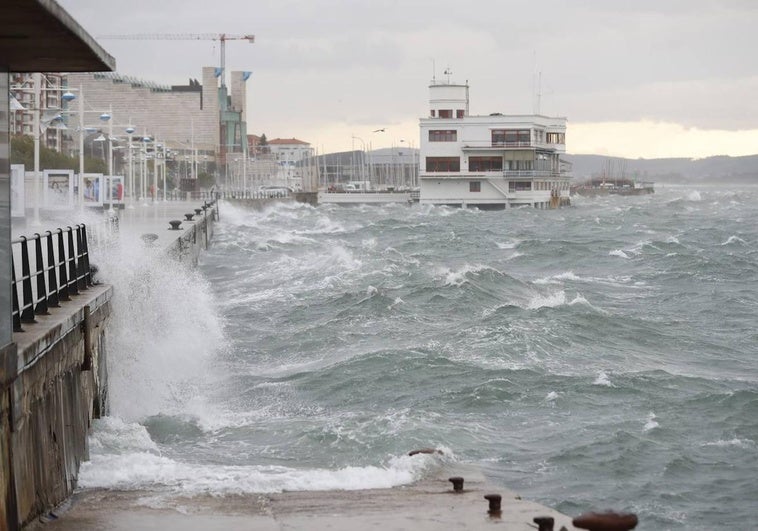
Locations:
123 457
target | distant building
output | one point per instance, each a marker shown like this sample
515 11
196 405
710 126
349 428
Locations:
491 162
201 120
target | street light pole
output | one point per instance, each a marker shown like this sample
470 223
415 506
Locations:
37 78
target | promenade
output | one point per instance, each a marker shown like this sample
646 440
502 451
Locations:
428 505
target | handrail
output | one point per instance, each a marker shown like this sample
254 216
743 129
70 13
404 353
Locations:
58 271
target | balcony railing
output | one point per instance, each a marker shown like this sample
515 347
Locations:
489 144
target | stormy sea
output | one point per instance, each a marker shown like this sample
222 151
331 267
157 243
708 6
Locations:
601 356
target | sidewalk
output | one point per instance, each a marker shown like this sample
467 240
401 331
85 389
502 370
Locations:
428 505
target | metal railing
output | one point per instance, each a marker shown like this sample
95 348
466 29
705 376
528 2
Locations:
54 266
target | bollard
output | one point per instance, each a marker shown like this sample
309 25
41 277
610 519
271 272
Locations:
544 523
197 211
175 224
149 239
494 499
457 482
609 521
189 216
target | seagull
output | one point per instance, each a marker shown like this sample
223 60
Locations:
379 131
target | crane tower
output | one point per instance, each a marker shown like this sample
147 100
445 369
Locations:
221 37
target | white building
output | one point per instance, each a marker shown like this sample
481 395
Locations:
490 162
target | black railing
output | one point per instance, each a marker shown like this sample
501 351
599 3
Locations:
56 268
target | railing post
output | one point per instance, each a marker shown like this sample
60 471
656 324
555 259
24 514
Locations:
71 260
40 306
62 273
16 309
27 303
52 280
85 255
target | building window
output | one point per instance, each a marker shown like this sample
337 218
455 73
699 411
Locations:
556 138
459 113
485 163
443 164
445 113
475 186
433 112
519 186
511 137
449 135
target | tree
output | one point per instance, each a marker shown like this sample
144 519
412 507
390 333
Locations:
22 152
263 144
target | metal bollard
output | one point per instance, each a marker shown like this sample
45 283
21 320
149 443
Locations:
494 508
189 216
544 523
457 482
609 521
175 224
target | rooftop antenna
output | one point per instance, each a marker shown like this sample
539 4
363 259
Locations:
434 73
539 92
448 73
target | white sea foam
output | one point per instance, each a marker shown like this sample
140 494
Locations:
734 239
458 277
550 300
651 423
734 442
602 379
132 469
507 245
164 331
618 252
694 195
551 396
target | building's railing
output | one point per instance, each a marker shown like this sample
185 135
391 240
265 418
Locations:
490 144
54 266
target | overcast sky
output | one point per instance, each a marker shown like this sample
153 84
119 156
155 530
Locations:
638 78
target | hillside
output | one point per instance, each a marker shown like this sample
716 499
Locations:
673 170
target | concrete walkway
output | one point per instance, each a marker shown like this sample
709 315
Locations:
424 506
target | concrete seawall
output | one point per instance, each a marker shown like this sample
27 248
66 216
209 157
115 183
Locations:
55 381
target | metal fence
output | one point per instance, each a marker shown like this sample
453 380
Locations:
54 266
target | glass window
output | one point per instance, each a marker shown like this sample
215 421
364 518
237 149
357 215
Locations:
485 163
475 186
459 113
446 113
443 135
443 164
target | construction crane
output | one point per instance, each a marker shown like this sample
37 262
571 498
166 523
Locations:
221 37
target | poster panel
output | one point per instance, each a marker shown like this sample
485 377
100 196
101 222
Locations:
92 194
58 189
18 192
115 190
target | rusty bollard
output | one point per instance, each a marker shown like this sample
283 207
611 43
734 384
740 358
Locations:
494 509
457 482
189 216
175 224
148 239
544 523
609 521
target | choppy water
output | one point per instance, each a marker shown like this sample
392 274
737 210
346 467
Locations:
600 356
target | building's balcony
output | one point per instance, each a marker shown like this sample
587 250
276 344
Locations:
488 145
505 174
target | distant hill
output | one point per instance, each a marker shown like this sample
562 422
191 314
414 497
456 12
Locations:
675 170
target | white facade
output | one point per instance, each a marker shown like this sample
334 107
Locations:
490 162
